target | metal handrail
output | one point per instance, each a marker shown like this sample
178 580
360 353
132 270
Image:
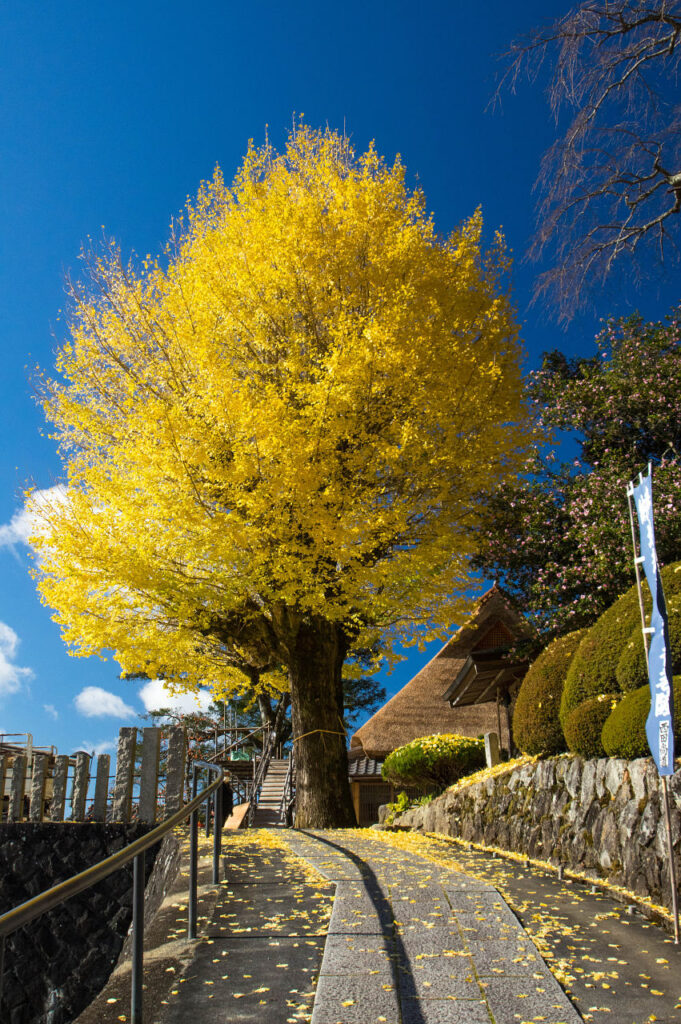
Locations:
135 851
264 763
288 796
237 743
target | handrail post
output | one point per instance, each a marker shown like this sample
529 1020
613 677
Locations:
2 963
136 1011
193 862
218 811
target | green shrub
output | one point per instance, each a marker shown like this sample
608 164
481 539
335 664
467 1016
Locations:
402 803
624 730
631 671
593 668
584 724
536 725
434 762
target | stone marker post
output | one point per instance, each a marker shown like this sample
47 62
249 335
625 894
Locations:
58 802
101 787
81 781
125 767
3 778
151 753
492 755
38 779
177 757
16 795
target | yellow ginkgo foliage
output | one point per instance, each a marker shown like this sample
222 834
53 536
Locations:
275 435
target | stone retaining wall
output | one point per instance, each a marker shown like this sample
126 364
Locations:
605 818
56 965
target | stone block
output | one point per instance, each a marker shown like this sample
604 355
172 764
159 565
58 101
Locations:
637 776
609 847
15 811
59 777
125 767
4 765
38 782
573 776
627 822
492 756
81 781
101 788
601 765
588 787
151 752
652 778
649 822
614 775
175 770
545 775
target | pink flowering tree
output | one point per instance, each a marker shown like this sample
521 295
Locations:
560 541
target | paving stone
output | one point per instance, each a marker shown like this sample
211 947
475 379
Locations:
432 965
513 1001
445 1011
356 999
442 984
498 925
349 954
490 953
470 902
453 939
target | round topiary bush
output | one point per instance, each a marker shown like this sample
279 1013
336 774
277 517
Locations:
434 762
624 730
593 668
631 671
536 725
584 724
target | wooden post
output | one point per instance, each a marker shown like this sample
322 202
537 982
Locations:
101 788
151 752
58 802
125 766
16 796
36 809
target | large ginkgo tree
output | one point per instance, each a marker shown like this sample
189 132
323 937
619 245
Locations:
273 437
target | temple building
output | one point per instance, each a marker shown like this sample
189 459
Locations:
467 688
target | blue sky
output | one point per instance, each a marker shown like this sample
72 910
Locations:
111 115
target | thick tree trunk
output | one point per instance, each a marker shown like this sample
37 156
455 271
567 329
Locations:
323 797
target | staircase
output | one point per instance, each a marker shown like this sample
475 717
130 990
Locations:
271 793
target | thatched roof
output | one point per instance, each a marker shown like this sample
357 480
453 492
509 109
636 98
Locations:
419 708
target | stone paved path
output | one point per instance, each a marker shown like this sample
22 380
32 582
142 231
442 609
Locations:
410 942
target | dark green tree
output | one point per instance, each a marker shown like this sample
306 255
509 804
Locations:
560 540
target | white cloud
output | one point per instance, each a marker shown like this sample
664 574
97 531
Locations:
97 748
11 675
51 710
26 521
94 702
154 696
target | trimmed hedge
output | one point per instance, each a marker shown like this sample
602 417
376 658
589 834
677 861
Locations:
536 724
631 671
593 668
624 731
584 724
434 762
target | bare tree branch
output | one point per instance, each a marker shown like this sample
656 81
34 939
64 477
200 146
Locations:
610 187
